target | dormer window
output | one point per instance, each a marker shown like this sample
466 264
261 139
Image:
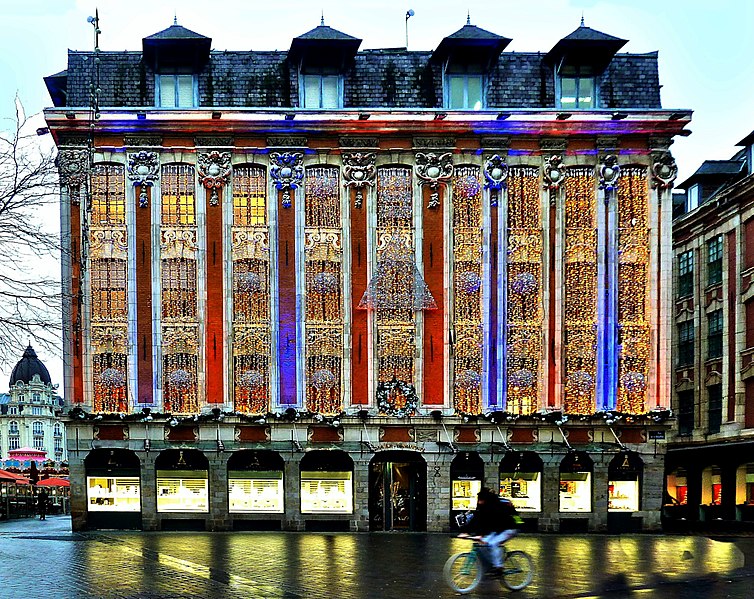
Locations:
176 91
464 88
577 88
321 91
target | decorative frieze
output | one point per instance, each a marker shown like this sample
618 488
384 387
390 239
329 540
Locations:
434 170
287 141
213 169
359 142
143 170
213 141
142 140
359 172
435 142
553 144
496 142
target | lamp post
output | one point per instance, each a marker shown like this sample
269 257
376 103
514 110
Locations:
409 13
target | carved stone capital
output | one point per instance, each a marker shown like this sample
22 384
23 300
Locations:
609 172
495 174
434 170
287 173
213 169
664 170
73 169
143 170
554 171
358 172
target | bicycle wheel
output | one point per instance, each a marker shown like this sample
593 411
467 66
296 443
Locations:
462 572
518 570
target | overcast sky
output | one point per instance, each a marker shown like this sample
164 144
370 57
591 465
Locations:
706 47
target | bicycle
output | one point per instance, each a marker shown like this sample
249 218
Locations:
463 571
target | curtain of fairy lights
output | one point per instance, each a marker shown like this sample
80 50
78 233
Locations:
108 291
178 253
633 290
579 344
394 314
467 288
524 291
251 291
323 266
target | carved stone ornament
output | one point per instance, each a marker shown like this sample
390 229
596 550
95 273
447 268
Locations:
664 171
609 172
554 171
287 141
359 142
359 172
287 173
495 174
213 169
73 168
143 169
431 143
434 170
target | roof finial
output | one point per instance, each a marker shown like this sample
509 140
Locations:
468 17
175 18
322 20
582 18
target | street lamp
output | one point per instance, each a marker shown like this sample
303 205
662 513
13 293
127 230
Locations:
409 13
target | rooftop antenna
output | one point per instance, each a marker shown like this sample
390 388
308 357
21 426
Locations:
175 18
582 18
409 13
322 20
468 17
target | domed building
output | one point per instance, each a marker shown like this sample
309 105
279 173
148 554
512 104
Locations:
30 413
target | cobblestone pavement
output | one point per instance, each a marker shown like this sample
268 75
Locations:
45 559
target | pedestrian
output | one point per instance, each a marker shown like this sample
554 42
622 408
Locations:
42 499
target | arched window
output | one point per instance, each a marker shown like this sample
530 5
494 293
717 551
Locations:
37 428
36 397
57 431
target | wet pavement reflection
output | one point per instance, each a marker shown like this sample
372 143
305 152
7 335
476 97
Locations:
379 565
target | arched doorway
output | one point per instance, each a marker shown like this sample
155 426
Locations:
113 489
255 482
466 480
182 481
398 491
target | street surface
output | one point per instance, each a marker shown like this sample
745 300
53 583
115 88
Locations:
45 559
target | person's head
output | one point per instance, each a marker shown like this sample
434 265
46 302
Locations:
485 495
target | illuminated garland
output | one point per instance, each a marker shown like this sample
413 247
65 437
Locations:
389 391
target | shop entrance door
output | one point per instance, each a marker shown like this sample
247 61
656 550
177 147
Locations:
398 492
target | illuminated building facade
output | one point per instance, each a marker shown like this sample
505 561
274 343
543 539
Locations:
339 289
709 469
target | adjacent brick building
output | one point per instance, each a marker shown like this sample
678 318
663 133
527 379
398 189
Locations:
339 289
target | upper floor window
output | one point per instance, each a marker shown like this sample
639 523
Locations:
686 273
321 91
37 428
464 90
576 87
715 334
36 411
176 91
36 397
685 412
715 260
686 343
13 428
14 442
692 196
21 398
57 430
13 410
715 407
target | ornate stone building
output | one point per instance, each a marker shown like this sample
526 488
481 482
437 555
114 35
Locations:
326 288
31 413
710 472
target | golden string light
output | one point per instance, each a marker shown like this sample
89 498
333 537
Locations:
633 290
396 339
467 289
580 292
108 288
179 290
251 291
524 291
323 259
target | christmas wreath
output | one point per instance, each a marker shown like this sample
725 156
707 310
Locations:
387 389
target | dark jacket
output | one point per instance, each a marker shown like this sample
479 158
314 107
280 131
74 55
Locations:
493 515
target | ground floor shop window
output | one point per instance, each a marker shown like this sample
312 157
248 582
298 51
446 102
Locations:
466 476
745 484
250 492
326 492
521 480
118 494
464 494
712 488
624 482
182 491
576 483
677 487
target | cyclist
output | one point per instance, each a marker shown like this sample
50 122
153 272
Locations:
495 520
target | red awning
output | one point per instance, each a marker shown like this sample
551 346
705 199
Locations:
11 476
54 482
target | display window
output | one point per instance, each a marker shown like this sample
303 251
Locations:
745 484
523 489
113 494
182 491
677 488
464 494
623 496
326 492
712 488
575 492
252 492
